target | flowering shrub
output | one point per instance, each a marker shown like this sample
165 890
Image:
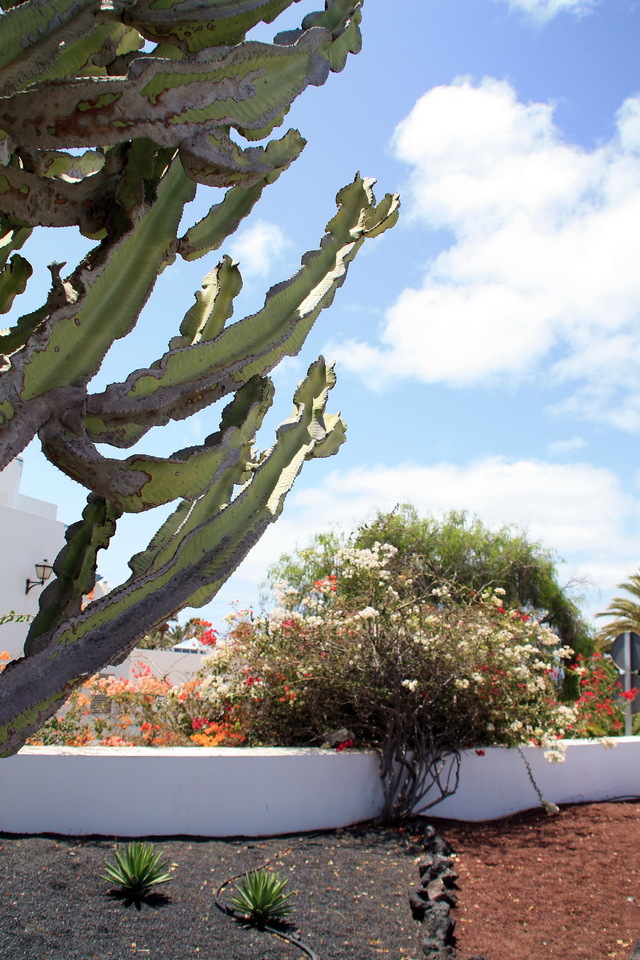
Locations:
144 711
418 680
598 709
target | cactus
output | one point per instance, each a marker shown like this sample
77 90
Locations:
111 115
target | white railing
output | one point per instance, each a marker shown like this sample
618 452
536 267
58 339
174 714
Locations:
228 791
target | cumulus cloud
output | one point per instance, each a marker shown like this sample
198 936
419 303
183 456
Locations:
577 509
541 278
546 9
258 247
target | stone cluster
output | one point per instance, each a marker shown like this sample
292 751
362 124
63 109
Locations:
431 901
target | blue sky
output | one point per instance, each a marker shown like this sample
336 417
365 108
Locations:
487 347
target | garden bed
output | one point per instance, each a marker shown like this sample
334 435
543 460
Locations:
564 888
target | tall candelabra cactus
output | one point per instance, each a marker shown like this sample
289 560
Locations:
111 113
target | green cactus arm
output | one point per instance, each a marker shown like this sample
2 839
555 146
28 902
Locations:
204 558
17 336
142 482
13 281
342 18
213 306
305 435
12 237
56 163
185 380
94 55
224 218
249 87
216 161
197 24
27 25
53 202
188 514
77 343
74 569
58 39
63 342
266 479
142 159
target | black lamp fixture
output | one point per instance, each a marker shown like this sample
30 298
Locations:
44 570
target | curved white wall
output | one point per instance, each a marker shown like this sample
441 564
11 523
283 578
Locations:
227 791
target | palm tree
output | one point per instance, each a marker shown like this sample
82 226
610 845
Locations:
626 613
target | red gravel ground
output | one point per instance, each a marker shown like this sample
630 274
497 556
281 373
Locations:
539 887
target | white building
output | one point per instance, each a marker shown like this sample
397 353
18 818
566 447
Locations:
29 533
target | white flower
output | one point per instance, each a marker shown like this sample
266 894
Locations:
462 684
440 592
410 685
367 614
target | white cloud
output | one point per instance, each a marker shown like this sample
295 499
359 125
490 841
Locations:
576 509
546 9
258 247
559 447
542 277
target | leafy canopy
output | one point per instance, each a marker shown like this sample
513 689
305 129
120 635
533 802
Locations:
459 551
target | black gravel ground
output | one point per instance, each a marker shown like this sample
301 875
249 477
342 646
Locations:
351 898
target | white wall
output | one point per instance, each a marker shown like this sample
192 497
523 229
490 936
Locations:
228 791
29 532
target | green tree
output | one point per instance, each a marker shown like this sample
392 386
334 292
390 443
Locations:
625 612
110 117
459 551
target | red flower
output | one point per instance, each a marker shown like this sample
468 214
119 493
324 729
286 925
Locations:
480 753
344 745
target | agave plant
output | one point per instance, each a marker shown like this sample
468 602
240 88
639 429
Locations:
137 869
260 896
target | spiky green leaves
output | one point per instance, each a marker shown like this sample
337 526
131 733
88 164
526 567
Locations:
137 869
261 896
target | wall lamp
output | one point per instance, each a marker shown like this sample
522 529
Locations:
44 570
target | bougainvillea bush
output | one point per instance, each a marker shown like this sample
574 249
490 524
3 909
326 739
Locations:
600 705
419 680
145 711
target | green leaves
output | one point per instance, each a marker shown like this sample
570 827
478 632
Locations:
261 896
137 869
